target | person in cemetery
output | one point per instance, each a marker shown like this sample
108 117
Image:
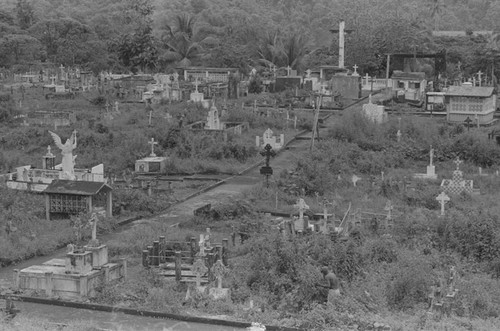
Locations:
333 284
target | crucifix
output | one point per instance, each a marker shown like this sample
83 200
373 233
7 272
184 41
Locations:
341 31
458 162
267 170
467 122
355 67
152 142
443 199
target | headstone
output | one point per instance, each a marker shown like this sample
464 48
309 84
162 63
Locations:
219 271
269 138
355 73
301 206
196 96
373 112
213 120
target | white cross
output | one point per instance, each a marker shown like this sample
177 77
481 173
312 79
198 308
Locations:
301 206
152 142
288 71
457 162
443 199
355 67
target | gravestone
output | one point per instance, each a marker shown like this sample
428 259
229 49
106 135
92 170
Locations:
457 184
300 223
219 271
269 138
431 169
196 96
373 112
213 120
443 199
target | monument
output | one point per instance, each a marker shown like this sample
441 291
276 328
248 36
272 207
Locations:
269 138
68 160
431 169
374 112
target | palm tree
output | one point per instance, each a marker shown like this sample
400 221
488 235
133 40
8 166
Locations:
295 49
271 52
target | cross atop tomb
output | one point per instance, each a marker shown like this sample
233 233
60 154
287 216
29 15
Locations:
49 152
458 162
355 67
152 142
288 71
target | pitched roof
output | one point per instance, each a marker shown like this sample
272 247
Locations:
470 91
72 187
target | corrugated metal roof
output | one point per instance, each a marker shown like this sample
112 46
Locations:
73 187
470 91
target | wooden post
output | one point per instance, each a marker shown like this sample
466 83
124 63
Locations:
89 204
109 204
16 278
193 249
145 258
225 250
156 253
178 264
47 207
387 70
83 285
49 286
124 268
162 249
150 255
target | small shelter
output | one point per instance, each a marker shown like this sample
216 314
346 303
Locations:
412 84
478 103
74 197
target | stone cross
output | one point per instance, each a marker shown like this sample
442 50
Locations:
458 162
199 269
443 199
219 270
152 142
301 206
355 73
288 71
431 155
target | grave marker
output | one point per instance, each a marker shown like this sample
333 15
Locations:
443 199
152 142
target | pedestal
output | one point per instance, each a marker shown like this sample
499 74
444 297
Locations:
196 97
78 263
431 171
99 255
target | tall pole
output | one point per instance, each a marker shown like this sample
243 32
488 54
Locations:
387 70
315 121
341 44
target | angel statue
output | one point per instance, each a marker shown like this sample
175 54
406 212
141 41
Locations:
68 160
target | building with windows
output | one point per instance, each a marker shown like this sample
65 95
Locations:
472 104
410 84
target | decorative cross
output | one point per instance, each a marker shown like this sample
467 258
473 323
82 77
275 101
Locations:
288 71
49 150
268 153
443 199
301 206
325 203
355 67
468 122
199 269
458 162
152 142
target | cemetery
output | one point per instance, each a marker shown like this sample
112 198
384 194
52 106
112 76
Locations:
312 177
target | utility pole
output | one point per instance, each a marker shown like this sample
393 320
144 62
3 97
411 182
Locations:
315 128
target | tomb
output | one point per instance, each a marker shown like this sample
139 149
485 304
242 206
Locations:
431 169
410 84
374 112
457 184
269 138
152 163
213 124
76 276
348 86
37 180
473 102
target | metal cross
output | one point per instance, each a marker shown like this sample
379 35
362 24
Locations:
468 121
268 153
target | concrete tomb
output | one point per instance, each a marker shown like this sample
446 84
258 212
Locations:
374 112
269 138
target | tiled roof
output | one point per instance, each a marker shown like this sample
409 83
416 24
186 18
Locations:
73 187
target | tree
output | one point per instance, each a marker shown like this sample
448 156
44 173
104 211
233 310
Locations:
16 48
25 14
